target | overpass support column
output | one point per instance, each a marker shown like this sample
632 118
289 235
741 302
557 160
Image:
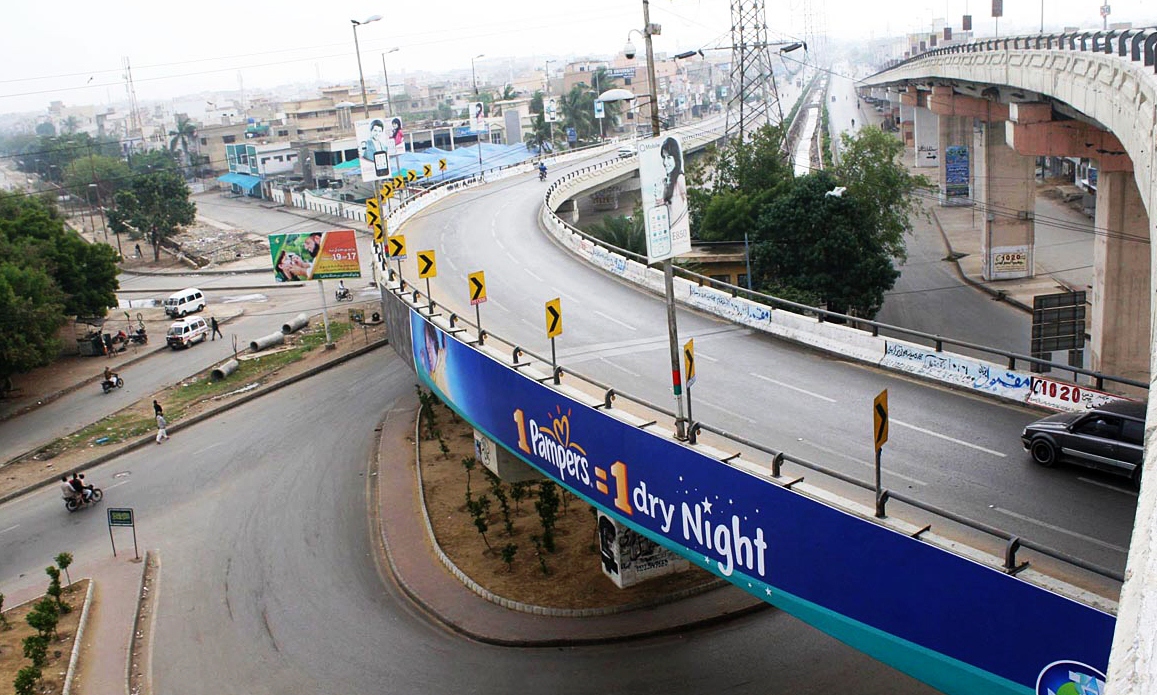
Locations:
927 137
1006 193
1121 284
955 164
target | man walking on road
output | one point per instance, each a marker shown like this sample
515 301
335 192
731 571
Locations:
216 328
162 433
157 409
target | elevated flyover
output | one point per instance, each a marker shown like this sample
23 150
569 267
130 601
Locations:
1002 102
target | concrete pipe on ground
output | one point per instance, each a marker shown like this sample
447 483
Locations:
295 324
267 342
224 370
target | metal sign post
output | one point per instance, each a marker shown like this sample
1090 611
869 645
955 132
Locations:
122 516
477 297
553 330
880 435
689 370
324 314
427 268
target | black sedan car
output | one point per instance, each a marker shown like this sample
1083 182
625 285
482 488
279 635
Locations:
1110 438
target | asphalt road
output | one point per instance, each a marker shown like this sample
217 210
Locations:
950 449
269 585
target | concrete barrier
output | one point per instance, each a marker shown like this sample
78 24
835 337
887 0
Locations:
267 342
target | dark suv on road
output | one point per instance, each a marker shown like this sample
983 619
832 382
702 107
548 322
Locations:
1109 438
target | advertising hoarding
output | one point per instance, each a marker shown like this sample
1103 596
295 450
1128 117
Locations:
664 191
378 140
478 117
315 255
956 171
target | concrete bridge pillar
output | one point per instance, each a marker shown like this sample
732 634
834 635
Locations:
955 143
927 130
1006 192
1121 285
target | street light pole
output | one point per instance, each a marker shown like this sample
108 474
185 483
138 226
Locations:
668 265
358 51
474 81
386 77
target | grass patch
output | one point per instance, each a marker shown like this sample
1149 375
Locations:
137 419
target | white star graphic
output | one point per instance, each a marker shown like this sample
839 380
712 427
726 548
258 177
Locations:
706 506
767 591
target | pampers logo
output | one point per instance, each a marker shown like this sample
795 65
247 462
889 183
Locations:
552 443
1070 678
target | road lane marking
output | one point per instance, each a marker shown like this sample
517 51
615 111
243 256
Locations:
1058 529
945 437
535 326
732 413
528 272
495 302
612 319
1107 486
793 388
452 263
123 482
10 528
624 369
862 462
701 356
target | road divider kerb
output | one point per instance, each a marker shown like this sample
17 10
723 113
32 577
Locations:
201 417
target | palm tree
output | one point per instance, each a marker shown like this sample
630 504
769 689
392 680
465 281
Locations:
539 133
578 110
622 232
184 133
508 92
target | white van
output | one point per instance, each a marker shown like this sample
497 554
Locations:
187 301
185 332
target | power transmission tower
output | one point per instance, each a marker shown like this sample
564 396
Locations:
754 98
134 125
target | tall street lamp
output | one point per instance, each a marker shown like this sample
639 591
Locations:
648 31
473 76
358 50
386 77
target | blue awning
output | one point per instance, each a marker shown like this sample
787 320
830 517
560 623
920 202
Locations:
243 180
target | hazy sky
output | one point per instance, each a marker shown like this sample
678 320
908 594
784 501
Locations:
72 51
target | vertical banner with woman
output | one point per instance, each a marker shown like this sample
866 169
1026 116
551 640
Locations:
664 198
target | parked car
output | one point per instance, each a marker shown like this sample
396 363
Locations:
1109 438
188 301
186 332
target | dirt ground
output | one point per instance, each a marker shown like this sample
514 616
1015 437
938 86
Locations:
571 577
59 651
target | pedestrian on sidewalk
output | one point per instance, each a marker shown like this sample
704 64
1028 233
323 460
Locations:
162 432
216 328
138 250
157 409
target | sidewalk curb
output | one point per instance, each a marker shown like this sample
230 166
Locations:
201 417
978 284
130 660
78 639
79 385
543 611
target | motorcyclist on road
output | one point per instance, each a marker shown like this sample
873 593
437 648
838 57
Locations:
67 491
341 289
109 376
542 170
79 488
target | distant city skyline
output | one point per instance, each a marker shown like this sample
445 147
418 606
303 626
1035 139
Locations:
72 52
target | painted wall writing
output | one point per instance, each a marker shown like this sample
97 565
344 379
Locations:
958 370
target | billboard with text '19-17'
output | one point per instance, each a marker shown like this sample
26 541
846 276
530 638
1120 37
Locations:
315 255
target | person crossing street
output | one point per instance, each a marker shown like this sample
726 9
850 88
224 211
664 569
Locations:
216 329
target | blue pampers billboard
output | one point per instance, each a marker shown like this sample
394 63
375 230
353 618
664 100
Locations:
955 624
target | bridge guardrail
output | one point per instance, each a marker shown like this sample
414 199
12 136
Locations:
389 278
1137 45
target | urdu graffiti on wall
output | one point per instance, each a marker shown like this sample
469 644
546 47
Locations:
730 307
958 370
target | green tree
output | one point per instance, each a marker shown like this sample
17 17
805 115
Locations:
183 135
887 194
110 174
154 207
508 92
622 231
815 244
47 273
45 128
154 160
26 680
578 111
539 132
63 561
747 177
